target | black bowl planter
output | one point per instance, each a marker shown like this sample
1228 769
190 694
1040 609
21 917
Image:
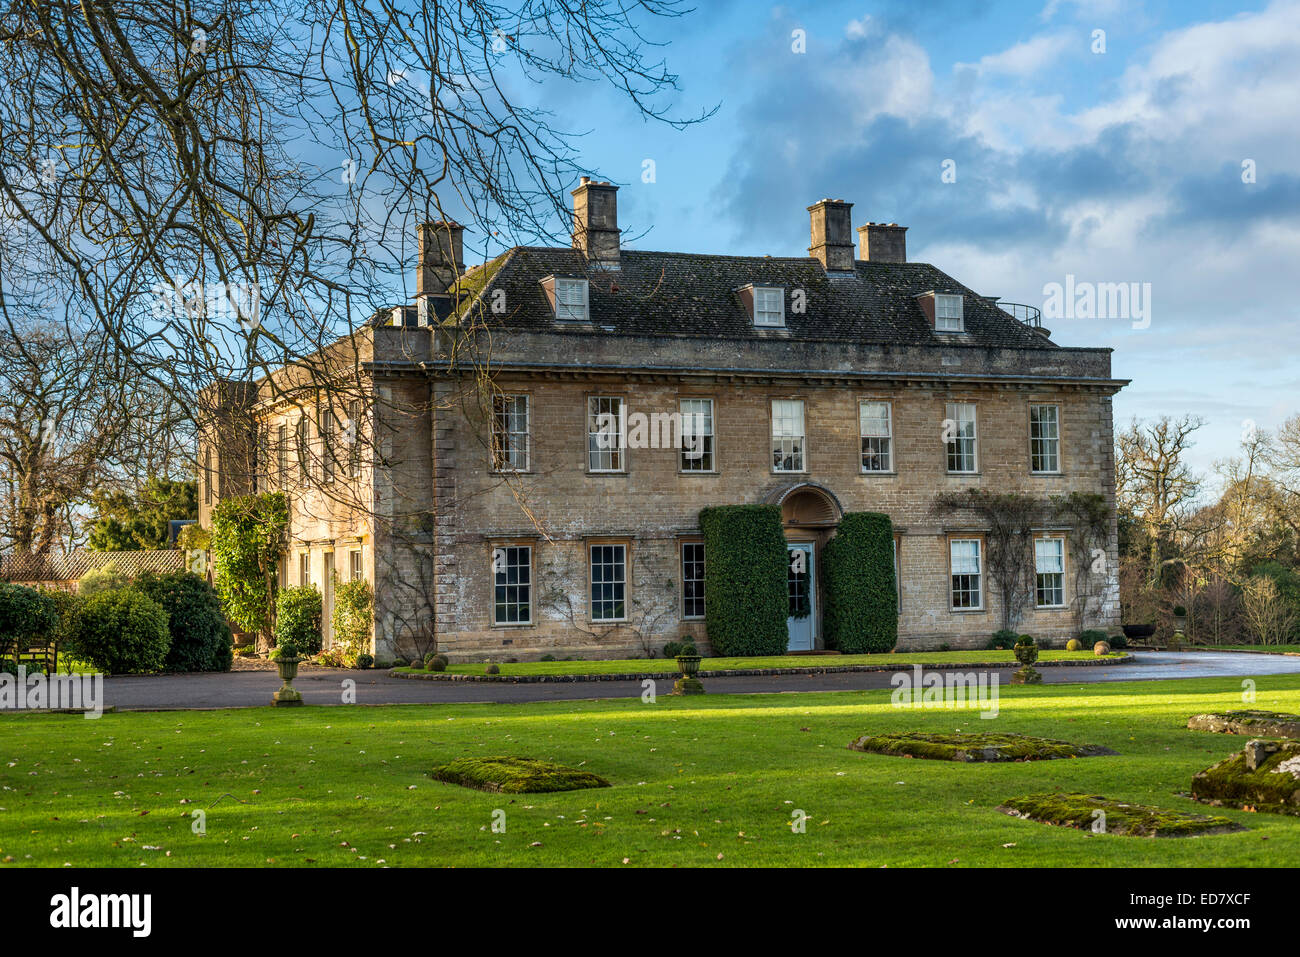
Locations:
1138 631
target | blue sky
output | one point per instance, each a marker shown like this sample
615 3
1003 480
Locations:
1117 166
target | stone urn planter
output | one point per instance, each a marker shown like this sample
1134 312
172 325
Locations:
688 683
287 665
1026 653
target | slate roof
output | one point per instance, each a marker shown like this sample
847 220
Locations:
70 567
684 294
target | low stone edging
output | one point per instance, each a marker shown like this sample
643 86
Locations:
749 672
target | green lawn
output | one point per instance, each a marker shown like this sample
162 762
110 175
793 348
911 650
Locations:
809 662
697 781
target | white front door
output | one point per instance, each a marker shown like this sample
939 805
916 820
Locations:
801 582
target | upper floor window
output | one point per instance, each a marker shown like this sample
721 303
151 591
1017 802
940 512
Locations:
207 476
354 438
697 434
328 451
959 430
875 427
787 435
1049 572
510 433
964 556
604 433
769 306
571 299
1044 438
948 314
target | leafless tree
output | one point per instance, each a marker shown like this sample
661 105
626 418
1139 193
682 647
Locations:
1154 480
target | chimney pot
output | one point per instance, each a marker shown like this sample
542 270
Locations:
882 243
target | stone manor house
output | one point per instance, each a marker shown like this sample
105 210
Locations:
516 461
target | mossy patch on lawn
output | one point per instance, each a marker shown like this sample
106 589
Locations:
1263 776
974 746
1259 724
1084 811
506 775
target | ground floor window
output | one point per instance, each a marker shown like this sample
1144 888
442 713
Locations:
304 569
965 560
608 582
512 568
355 571
692 579
1049 572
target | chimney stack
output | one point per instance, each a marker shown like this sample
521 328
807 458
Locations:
441 248
832 234
595 221
883 242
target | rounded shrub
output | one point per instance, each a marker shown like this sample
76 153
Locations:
492 670
1074 644
365 661
400 662
861 591
297 620
687 649
1118 641
672 649
200 638
1101 648
1091 636
353 620
745 578
27 617
122 631
1004 639
436 663
102 579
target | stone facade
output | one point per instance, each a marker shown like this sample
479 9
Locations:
416 492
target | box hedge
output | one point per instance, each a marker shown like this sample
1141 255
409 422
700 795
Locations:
861 614
745 579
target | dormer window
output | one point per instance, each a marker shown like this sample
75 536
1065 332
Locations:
948 314
769 306
571 300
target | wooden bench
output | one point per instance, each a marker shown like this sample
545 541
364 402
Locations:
43 658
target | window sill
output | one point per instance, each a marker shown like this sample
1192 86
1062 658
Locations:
976 474
1051 607
507 625
966 611
1046 474
878 473
698 472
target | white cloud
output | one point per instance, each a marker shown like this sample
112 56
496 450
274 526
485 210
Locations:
1024 59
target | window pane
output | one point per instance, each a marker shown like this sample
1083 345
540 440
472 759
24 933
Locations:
513 576
1044 438
693 580
605 433
875 428
960 425
608 582
510 433
787 435
964 555
697 434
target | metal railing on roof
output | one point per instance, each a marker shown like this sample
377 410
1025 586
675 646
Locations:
1029 315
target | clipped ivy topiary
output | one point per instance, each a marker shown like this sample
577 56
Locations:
861 592
745 580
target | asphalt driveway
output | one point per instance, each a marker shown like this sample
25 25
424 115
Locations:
246 689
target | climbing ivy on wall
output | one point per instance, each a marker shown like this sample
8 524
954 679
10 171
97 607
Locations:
248 541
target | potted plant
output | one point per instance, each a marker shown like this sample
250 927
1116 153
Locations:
1026 652
1180 618
286 657
688 659
688 663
